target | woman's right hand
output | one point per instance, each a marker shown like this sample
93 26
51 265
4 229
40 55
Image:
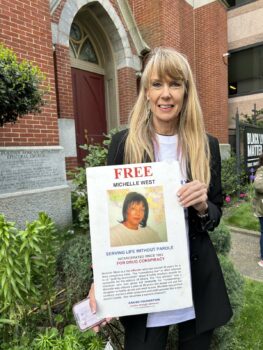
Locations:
93 306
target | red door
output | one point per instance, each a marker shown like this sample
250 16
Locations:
89 108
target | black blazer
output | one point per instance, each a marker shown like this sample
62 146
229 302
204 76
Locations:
211 303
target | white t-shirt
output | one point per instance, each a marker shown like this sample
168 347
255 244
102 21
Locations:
165 150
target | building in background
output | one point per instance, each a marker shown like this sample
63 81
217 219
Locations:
92 54
245 60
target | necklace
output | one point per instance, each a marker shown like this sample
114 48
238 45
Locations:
165 134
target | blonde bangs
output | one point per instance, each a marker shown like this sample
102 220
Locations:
165 64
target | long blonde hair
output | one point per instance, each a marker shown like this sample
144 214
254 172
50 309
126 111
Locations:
192 138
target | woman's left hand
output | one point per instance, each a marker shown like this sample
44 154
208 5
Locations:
193 194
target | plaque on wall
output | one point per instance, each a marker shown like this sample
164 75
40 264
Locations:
29 168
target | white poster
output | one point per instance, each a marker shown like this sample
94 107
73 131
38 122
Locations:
138 239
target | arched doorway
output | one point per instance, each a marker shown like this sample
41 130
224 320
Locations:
92 80
117 63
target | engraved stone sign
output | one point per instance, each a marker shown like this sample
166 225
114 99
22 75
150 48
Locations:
29 168
33 180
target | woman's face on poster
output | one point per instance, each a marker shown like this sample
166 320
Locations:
135 214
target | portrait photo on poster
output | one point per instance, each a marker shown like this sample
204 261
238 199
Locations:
136 216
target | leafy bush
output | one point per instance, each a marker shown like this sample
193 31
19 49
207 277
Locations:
50 339
71 339
20 91
29 292
230 178
234 282
96 156
221 239
253 119
223 336
27 270
74 266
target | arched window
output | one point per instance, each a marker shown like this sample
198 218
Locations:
81 45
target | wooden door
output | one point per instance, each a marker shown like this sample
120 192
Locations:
89 108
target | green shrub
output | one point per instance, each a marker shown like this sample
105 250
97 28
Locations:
20 91
27 261
79 199
253 119
71 339
223 336
230 178
29 293
74 266
234 282
51 339
221 239
27 270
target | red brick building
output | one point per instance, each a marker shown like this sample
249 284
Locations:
100 55
92 53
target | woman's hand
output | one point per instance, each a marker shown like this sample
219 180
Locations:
93 306
194 194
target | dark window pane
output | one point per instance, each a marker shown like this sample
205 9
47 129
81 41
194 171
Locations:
233 3
245 71
88 53
75 33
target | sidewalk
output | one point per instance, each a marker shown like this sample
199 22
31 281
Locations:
245 252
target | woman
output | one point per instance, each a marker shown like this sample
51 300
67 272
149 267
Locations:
133 228
258 203
167 123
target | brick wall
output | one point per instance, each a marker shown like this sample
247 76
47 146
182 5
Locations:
149 20
171 20
187 37
127 92
25 27
71 163
211 72
64 82
165 23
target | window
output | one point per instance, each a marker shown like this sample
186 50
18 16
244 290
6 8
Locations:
87 52
81 45
245 71
236 3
